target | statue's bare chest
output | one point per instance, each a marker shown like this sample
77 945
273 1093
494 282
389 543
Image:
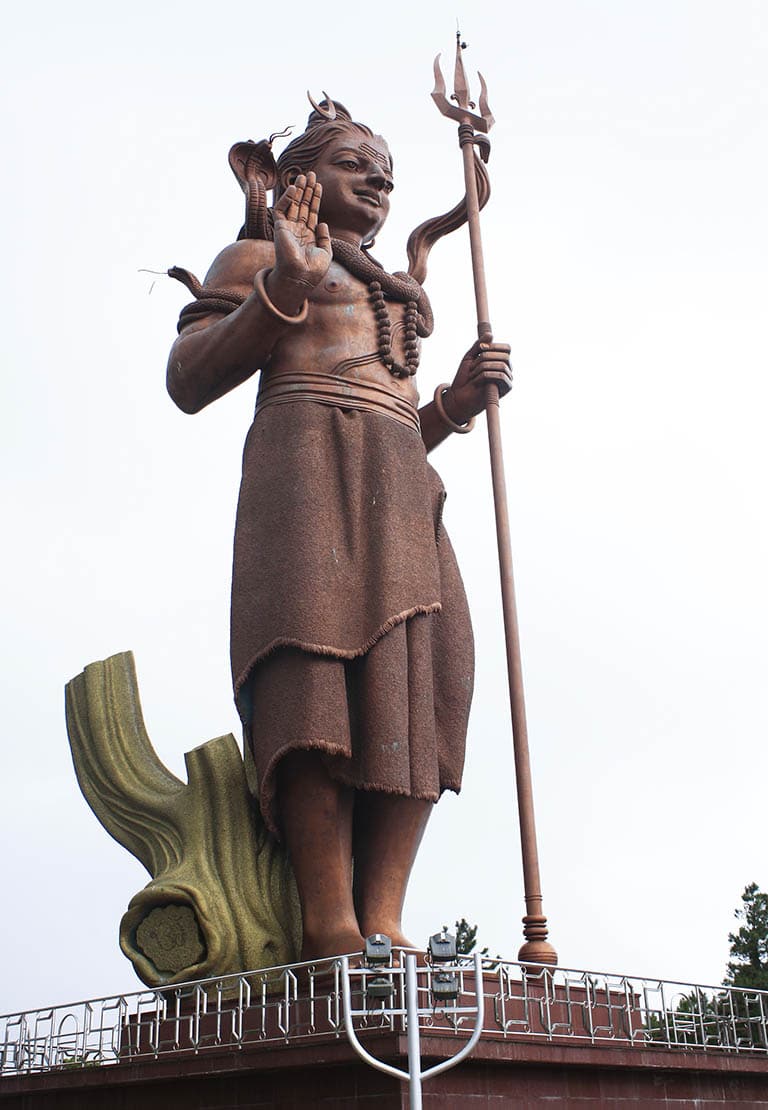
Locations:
340 289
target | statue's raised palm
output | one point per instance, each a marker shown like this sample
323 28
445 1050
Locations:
302 245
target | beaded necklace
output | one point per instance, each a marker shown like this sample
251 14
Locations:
384 330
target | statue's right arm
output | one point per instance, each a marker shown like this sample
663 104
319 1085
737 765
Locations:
216 353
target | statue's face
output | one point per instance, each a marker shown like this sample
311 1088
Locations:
356 175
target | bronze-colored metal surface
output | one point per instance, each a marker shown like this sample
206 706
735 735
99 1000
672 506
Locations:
536 948
330 389
299 298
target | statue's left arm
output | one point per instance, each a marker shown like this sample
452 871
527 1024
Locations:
483 364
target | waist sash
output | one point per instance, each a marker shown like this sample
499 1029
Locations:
345 393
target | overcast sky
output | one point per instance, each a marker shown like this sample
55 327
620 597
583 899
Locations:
627 247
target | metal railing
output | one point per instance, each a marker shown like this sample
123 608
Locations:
305 1001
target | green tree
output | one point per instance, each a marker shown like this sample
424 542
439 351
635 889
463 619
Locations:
748 966
466 935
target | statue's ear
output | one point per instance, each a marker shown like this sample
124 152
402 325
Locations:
287 177
251 160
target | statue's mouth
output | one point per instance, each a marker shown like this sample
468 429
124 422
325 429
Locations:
372 198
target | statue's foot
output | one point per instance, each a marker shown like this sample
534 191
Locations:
399 940
396 935
331 943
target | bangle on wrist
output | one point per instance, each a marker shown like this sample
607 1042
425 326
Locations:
462 429
261 292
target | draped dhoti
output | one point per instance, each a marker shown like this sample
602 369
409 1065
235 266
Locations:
350 632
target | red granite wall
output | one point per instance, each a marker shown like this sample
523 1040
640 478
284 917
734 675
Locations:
506 1074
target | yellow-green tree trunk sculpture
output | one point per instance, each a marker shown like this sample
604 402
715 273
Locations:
222 897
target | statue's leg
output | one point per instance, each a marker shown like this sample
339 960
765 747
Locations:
387 832
316 813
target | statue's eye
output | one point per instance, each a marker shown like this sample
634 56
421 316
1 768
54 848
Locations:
348 164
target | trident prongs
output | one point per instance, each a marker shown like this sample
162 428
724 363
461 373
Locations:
461 110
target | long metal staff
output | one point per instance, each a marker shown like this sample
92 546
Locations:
536 949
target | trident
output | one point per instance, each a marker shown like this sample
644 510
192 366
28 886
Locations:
536 948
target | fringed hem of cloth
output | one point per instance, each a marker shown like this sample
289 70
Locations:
382 788
391 721
334 755
327 649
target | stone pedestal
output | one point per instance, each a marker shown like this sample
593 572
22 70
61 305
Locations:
277 1039
324 1074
